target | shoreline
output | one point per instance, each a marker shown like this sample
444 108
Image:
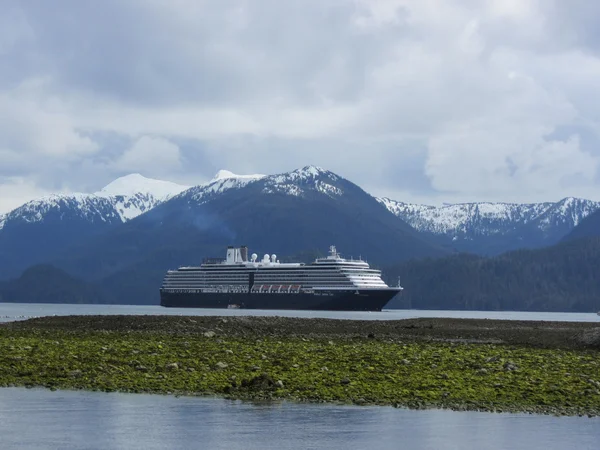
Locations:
458 364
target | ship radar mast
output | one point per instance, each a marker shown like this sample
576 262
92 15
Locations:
333 252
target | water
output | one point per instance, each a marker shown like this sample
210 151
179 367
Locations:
20 311
41 419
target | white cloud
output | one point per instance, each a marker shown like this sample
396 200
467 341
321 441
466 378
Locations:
461 100
508 154
36 127
150 155
15 191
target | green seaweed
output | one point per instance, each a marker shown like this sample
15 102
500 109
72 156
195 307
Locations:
459 376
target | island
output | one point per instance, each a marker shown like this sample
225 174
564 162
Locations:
536 367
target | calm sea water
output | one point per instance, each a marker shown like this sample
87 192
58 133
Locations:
41 419
20 311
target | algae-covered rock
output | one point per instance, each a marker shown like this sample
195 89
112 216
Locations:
259 382
591 338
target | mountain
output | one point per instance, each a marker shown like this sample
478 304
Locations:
589 227
493 228
563 277
40 229
300 211
47 284
298 214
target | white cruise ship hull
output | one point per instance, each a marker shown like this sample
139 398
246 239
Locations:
322 299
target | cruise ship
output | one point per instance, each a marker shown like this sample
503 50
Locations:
329 283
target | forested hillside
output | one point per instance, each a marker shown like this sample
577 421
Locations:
47 284
564 277
589 227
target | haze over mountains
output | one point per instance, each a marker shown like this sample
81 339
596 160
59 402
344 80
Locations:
119 241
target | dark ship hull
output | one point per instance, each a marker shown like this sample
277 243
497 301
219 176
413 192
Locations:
322 300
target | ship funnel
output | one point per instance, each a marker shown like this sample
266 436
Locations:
230 255
244 253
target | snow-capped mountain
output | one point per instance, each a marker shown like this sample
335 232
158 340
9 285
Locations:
36 230
296 183
302 211
135 183
129 196
135 194
87 206
477 225
122 200
305 209
221 182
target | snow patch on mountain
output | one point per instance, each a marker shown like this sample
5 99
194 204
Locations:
328 189
135 194
461 219
2 220
134 183
284 188
226 174
569 210
221 182
130 206
297 182
305 174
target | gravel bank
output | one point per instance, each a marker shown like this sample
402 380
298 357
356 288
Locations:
538 334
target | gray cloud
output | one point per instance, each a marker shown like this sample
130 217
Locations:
420 101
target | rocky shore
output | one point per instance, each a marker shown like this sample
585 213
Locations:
462 364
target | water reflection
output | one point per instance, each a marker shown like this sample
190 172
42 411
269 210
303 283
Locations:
38 418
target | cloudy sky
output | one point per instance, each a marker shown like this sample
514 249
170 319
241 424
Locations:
426 101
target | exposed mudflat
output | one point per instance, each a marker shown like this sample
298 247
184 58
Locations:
539 334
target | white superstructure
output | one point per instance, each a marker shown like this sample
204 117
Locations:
237 273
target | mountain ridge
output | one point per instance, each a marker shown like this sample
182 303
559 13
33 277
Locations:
232 208
491 228
298 212
302 210
135 194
